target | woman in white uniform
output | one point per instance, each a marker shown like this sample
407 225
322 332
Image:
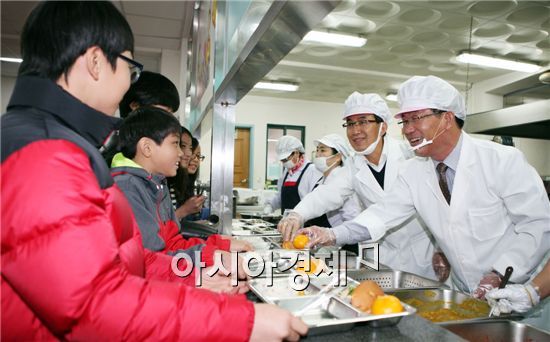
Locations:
298 178
332 152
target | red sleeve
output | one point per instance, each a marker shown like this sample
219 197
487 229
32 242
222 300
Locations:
218 240
56 234
158 266
174 241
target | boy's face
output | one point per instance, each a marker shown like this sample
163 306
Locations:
166 156
116 84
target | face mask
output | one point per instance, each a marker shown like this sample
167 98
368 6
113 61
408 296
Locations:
321 163
372 146
427 142
289 164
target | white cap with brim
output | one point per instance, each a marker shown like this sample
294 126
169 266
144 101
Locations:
358 103
288 144
423 92
336 142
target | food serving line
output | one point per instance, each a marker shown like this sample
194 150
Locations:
428 307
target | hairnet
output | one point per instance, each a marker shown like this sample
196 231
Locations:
423 92
336 142
358 103
288 144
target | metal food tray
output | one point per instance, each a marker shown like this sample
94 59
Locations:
282 258
272 218
261 243
435 299
393 279
272 290
497 330
334 314
255 227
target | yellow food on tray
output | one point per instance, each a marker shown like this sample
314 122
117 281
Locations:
441 311
364 294
386 304
309 266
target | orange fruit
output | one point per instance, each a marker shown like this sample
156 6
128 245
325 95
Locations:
364 295
386 304
309 267
288 245
300 241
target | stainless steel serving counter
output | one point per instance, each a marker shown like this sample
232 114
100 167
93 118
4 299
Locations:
410 328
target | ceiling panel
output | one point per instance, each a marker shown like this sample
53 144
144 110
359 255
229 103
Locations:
407 38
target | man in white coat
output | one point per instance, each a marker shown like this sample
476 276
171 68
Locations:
370 174
484 204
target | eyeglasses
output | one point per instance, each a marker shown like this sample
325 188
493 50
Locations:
416 119
135 68
198 156
358 123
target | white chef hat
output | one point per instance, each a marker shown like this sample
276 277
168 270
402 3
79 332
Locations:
423 92
358 103
336 142
288 144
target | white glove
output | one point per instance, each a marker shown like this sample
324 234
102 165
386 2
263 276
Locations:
268 209
319 236
519 298
289 225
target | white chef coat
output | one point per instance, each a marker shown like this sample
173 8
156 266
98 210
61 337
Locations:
408 247
308 181
499 214
351 207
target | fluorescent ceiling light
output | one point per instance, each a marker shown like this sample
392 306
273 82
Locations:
12 60
391 97
276 86
335 39
493 62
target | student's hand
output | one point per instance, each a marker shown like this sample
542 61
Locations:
240 246
441 266
272 323
227 263
191 206
318 236
489 281
519 298
221 284
289 225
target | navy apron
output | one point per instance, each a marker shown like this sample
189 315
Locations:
289 192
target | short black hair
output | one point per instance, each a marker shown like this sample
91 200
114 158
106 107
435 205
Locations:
459 122
194 143
146 122
56 33
150 89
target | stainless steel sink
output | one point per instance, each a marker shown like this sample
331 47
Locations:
497 330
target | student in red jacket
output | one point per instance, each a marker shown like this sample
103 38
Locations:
73 265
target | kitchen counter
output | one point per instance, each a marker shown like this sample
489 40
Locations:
410 328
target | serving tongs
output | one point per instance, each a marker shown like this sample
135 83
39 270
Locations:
324 292
503 283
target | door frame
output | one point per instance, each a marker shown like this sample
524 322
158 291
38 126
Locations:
250 152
